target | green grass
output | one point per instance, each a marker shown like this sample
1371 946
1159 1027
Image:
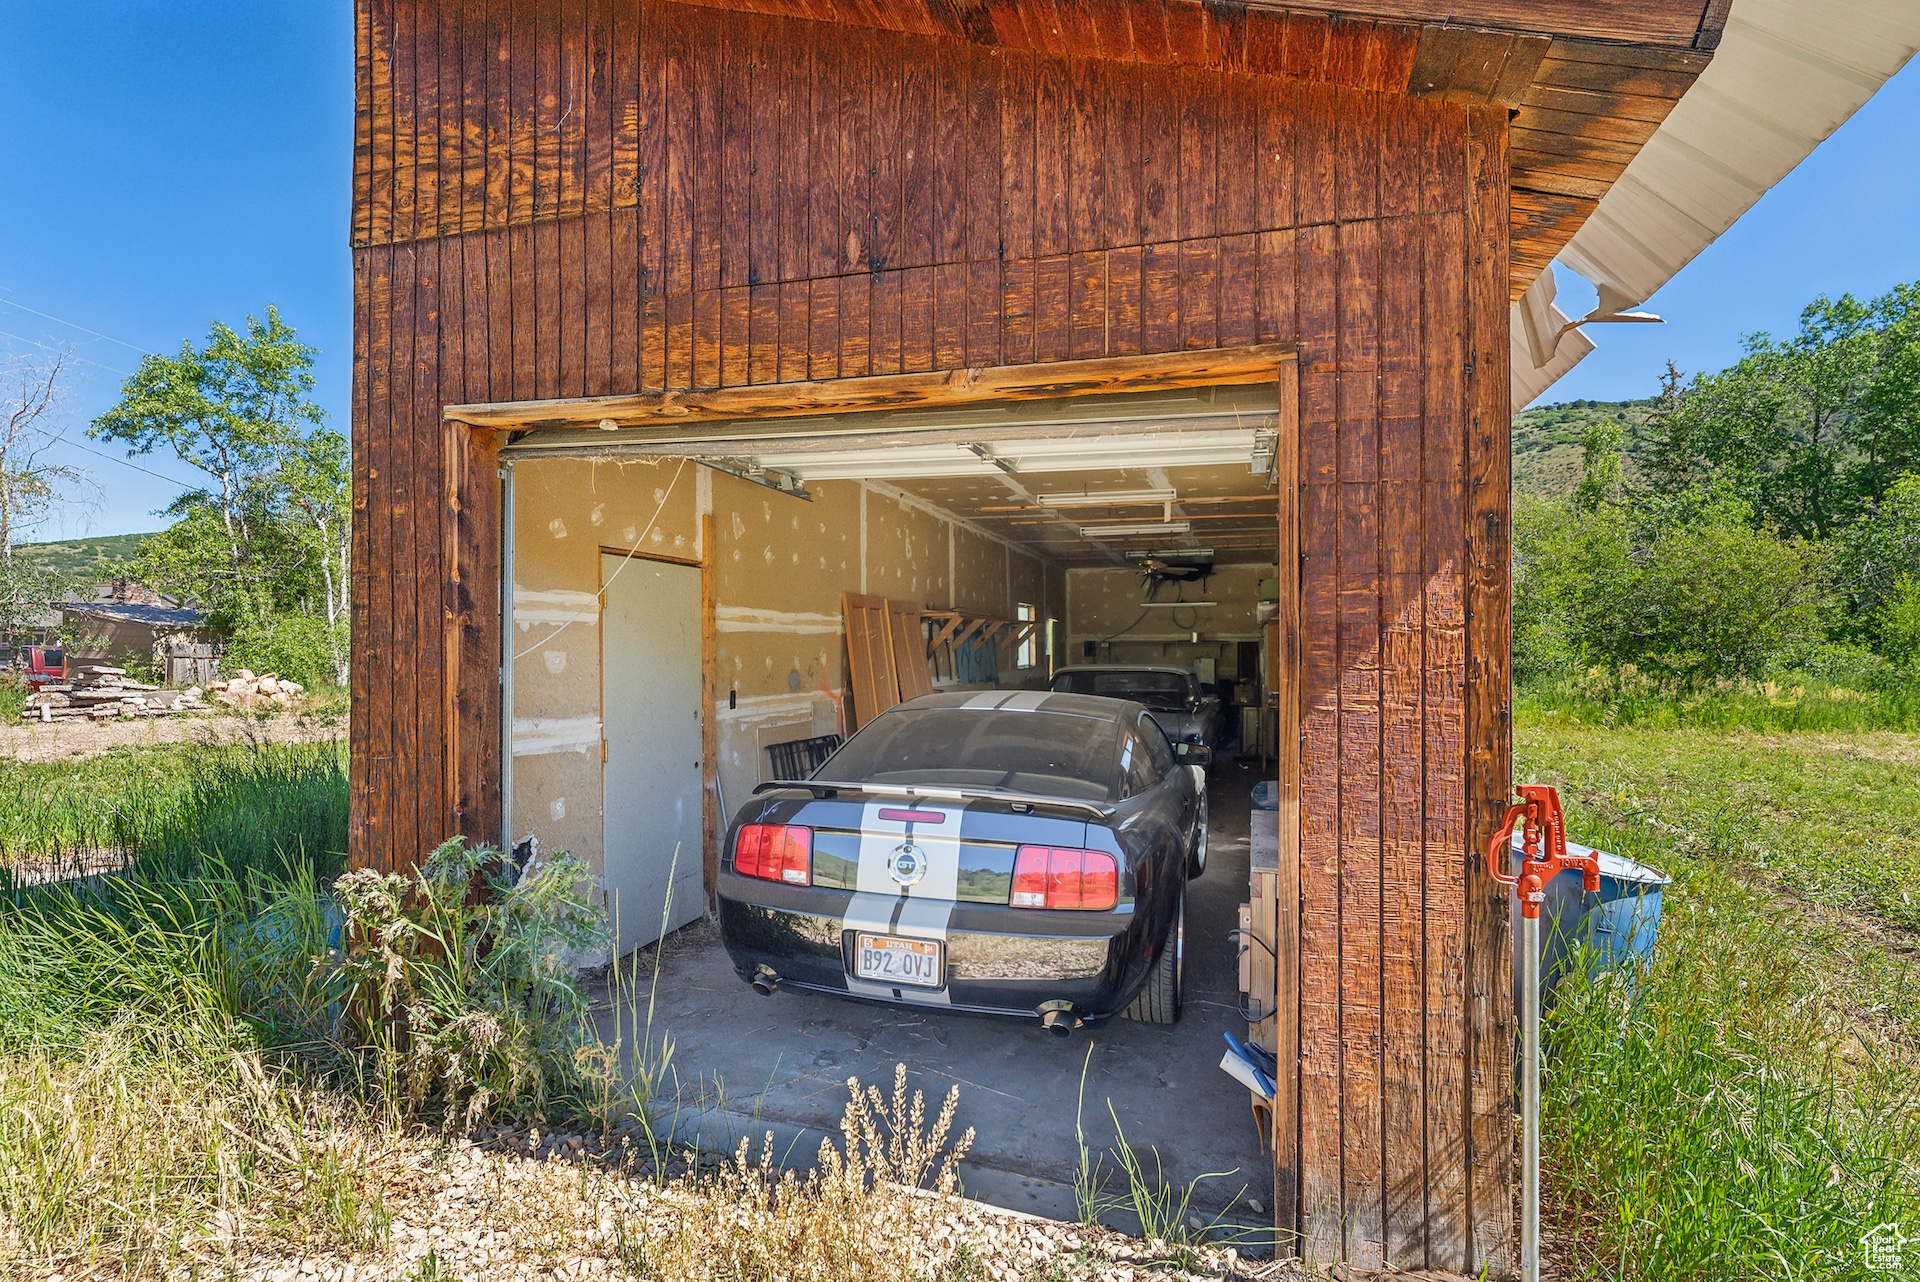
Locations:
179 805
1604 698
1753 1106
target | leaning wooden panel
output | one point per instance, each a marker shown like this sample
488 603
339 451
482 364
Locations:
907 643
869 656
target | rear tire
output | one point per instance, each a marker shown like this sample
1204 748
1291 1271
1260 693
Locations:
1159 1001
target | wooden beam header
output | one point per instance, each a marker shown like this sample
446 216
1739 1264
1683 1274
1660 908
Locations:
1109 375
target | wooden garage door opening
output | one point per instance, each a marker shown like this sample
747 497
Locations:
959 439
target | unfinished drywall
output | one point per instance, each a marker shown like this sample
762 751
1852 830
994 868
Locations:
1109 608
777 568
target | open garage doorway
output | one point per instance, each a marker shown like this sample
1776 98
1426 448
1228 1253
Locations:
1023 538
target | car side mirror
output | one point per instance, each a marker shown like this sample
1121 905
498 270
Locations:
1196 754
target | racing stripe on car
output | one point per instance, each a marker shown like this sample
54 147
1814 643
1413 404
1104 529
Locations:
882 905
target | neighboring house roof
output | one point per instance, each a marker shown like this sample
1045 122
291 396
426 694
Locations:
153 616
1787 73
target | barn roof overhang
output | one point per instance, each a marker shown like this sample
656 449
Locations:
1786 74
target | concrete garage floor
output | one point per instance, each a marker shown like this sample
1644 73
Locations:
743 1064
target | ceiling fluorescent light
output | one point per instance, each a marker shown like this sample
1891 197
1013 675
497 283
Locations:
1165 553
1111 498
1144 528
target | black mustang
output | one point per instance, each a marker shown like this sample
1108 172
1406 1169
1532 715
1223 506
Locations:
1014 853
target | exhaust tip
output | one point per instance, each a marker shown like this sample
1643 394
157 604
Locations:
1057 1017
765 982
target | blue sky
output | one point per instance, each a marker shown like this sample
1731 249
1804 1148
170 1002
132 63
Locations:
170 164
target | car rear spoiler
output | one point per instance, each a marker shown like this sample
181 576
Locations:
828 788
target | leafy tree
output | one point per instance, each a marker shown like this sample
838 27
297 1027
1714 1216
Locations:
1602 440
1807 432
1898 623
1877 550
1719 598
263 546
227 409
1568 564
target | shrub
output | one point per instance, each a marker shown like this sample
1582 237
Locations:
13 696
459 981
298 646
1719 598
1706 595
1879 550
1898 623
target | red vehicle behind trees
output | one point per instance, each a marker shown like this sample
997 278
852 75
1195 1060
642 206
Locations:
43 664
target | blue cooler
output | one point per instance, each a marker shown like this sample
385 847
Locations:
1618 923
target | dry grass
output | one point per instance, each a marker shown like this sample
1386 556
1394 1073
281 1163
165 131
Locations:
145 1152
140 1162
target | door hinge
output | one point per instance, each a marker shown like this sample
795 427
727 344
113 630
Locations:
603 752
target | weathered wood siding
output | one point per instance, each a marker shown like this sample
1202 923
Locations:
563 198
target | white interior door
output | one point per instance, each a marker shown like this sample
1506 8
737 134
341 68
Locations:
650 700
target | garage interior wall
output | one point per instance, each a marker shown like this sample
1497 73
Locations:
1105 609
779 567
576 199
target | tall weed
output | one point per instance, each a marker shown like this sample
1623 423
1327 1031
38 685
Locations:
1715 1120
459 981
180 808
863 1212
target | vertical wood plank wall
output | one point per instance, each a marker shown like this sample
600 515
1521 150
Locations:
565 198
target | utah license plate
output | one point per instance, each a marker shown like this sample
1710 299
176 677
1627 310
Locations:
893 960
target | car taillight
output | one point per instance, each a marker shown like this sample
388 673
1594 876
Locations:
1056 877
775 852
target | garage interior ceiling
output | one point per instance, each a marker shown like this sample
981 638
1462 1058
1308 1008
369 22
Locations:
1119 475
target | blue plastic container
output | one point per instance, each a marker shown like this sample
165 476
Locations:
1266 795
1619 923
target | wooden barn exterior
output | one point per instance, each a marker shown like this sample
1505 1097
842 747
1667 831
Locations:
706 210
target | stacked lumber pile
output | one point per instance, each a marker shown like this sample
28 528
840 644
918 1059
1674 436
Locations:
246 691
99 693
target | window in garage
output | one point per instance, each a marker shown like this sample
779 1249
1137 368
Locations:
1023 613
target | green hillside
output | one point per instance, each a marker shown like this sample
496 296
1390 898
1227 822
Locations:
82 558
1546 442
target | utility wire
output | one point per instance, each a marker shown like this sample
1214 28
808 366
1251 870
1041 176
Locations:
61 351
170 480
71 325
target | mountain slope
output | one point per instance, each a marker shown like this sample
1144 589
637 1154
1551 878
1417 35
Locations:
1546 443
82 558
